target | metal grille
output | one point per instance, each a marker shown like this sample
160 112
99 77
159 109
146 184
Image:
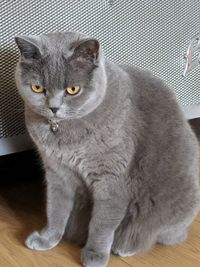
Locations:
150 34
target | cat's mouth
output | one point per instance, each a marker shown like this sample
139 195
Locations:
56 116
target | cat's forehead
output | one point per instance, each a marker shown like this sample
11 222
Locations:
59 65
58 71
60 42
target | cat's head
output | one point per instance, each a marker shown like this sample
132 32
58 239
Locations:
61 75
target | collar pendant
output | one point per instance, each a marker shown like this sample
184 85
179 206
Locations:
53 126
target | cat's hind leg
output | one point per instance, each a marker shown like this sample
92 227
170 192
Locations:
177 233
173 235
132 238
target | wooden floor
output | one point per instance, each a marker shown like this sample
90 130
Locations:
21 212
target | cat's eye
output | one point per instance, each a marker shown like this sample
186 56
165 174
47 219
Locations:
73 90
37 89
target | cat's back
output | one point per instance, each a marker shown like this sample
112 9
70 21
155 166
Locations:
152 96
166 132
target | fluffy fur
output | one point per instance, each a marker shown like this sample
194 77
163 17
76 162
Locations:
122 169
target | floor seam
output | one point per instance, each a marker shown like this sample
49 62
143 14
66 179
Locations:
125 262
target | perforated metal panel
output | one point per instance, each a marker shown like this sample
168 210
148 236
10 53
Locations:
151 34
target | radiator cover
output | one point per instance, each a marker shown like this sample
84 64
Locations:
150 34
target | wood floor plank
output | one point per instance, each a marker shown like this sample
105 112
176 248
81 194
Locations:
22 211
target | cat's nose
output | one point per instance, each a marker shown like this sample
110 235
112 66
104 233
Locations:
53 109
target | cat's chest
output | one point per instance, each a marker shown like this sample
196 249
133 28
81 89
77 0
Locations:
85 150
80 151
83 158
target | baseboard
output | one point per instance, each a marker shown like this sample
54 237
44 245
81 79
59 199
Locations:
15 144
191 111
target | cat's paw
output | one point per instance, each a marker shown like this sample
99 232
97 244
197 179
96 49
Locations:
91 258
41 241
122 253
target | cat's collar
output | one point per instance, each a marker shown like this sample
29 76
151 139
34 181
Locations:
53 125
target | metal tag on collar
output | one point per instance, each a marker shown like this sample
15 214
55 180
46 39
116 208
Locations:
53 125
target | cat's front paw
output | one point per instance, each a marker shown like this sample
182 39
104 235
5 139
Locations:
41 241
91 258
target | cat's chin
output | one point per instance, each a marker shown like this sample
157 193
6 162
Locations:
59 119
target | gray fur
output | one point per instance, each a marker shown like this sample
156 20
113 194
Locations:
122 169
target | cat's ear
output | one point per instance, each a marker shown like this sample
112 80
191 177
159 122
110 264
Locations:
87 49
28 47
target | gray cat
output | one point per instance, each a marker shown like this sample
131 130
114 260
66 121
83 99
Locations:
121 161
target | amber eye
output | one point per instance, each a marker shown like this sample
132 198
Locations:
73 90
37 88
